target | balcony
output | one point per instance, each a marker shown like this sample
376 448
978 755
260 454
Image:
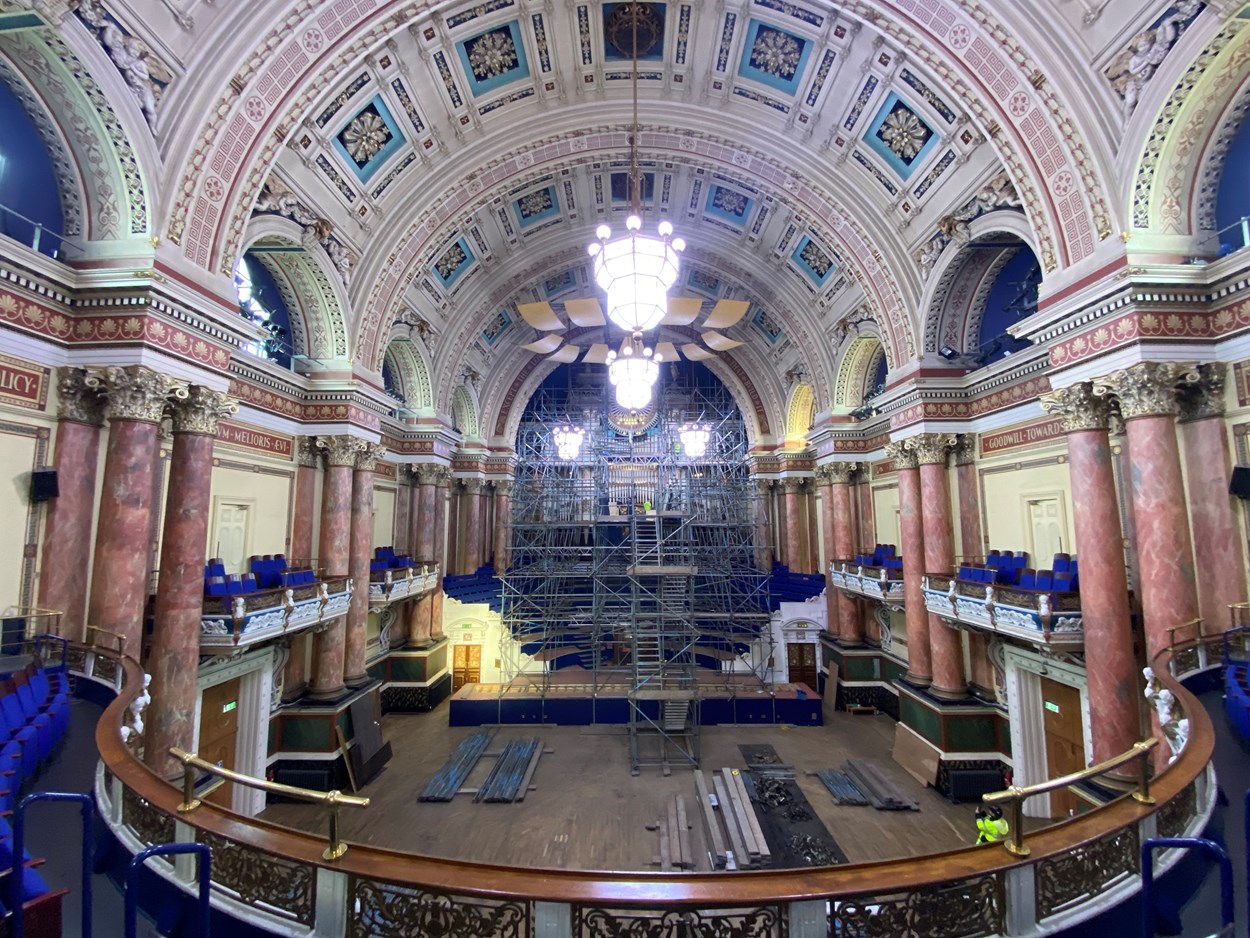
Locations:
242 619
1041 617
884 584
396 583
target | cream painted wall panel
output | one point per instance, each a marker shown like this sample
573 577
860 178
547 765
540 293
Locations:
1006 497
268 497
885 513
17 459
383 515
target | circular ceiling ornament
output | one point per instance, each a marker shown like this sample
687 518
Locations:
619 29
632 422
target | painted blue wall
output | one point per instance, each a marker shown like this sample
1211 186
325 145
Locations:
27 183
1232 200
997 316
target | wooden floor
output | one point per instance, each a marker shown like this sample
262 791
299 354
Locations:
587 811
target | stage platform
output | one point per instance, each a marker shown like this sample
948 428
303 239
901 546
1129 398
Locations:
577 701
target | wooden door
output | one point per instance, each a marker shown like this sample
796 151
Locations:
801 663
1048 529
1065 740
466 665
219 730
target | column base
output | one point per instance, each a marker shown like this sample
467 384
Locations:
327 696
356 681
418 645
292 694
920 681
951 695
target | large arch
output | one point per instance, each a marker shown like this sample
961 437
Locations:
858 364
113 154
800 415
408 365
464 411
220 171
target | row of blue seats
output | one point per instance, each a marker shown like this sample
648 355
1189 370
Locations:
268 570
34 717
880 554
236 585
1237 699
385 558
41 904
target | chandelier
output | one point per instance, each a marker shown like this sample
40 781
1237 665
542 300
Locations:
636 270
694 439
568 441
633 372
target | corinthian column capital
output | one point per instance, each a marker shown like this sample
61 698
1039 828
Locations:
368 455
966 449
503 487
306 451
77 400
136 392
1078 407
793 485
340 450
931 449
201 410
836 473
472 486
1147 389
1204 397
902 455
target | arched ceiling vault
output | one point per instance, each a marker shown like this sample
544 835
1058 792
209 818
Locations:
425 132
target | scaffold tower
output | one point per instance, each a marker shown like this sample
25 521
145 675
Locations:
634 563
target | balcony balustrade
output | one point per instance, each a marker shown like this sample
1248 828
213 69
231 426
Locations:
1041 617
884 584
239 620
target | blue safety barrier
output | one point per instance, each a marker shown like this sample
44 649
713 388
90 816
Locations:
19 854
166 850
1148 878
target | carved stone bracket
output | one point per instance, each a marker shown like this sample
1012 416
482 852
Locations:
136 392
1147 389
1205 397
902 455
1077 407
78 400
340 450
201 410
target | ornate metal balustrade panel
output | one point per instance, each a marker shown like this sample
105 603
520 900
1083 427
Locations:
971 909
105 669
149 824
765 922
273 883
389 910
1186 660
1174 816
1086 871
76 660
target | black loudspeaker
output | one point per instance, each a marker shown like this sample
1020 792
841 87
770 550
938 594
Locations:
43 485
1239 484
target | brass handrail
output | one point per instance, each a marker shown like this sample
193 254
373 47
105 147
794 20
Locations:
1016 795
1192 623
121 639
331 799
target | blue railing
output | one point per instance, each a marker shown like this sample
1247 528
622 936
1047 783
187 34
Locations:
19 854
166 850
1195 843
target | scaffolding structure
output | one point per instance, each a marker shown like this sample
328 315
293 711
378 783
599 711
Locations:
634 562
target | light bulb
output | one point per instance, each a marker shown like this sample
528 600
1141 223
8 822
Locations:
666 228
594 248
678 244
603 232
633 223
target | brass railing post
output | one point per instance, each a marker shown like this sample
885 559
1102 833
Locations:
1015 843
336 848
1142 794
189 801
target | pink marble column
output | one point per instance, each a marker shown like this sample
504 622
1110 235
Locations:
1114 685
833 623
981 675
440 527
1219 556
175 655
793 496
119 574
403 511
451 513
356 637
334 555
470 533
427 476
911 521
65 564
503 525
945 643
850 611
763 543
294 674
1148 403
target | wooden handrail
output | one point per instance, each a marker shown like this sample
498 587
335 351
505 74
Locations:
330 799
1017 795
647 889
121 639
